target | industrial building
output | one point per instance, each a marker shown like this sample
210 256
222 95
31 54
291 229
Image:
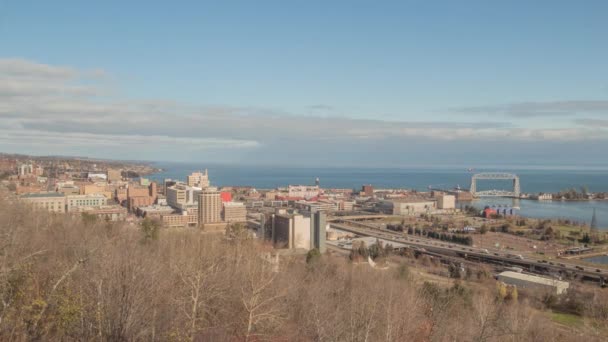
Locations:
318 230
299 231
532 282
446 201
407 206
290 231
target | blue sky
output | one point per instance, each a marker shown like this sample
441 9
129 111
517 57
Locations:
424 82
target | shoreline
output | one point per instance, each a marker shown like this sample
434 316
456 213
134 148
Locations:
567 200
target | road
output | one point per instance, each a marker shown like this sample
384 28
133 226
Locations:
496 257
50 185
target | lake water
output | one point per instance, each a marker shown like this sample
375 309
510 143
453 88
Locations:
577 211
603 259
532 181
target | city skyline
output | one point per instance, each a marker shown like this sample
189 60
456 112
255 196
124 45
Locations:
311 84
303 170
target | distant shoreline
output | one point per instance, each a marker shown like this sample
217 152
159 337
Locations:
567 200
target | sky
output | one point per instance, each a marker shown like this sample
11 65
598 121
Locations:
314 83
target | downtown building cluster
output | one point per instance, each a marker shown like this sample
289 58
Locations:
77 187
294 217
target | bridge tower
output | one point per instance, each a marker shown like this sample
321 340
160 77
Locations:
516 186
473 188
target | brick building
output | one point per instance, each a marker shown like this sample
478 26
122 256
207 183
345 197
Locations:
179 220
141 196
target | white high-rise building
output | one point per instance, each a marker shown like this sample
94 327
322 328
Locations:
180 196
199 179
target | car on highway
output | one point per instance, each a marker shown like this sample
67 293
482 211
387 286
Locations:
515 256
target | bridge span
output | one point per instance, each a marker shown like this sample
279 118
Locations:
515 192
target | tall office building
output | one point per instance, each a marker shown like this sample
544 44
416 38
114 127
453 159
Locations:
199 179
167 184
209 206
318 223
368 190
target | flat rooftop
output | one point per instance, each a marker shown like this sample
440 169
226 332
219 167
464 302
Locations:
411 200
43 195
533 278
156 208
234 204
86 196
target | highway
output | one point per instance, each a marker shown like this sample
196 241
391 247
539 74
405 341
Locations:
357 217
560 266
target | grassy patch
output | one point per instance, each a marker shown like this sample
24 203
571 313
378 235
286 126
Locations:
567 319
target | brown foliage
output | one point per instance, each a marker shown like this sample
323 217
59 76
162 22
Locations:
64 279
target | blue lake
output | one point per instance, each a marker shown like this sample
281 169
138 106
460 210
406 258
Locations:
532 181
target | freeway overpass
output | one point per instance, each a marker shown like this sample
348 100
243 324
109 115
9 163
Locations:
442 248
357 217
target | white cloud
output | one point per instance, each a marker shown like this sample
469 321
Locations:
541 109
592 122
24 69
46 106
